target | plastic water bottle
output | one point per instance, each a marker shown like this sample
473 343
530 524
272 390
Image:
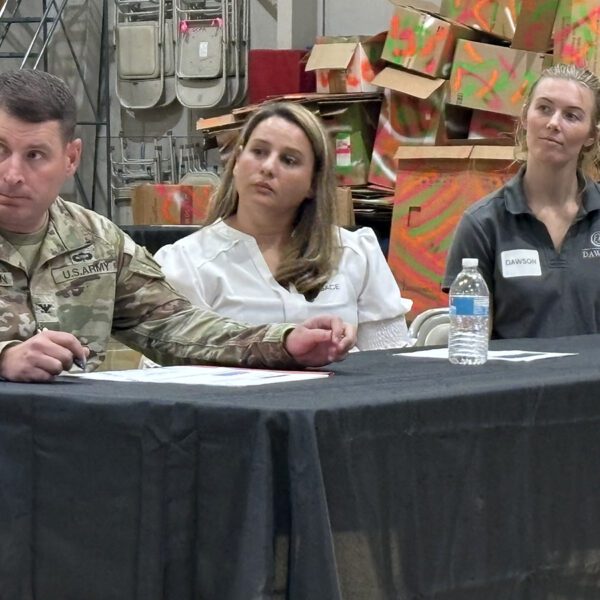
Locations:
469 316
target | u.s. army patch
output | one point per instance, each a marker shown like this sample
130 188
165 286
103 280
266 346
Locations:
70 272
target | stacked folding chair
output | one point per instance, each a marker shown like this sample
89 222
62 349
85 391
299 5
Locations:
211 52
145 53
161 162
147 163
192 171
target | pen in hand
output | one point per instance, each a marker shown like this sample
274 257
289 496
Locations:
79 362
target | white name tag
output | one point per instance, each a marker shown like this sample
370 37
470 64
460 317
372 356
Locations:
520 263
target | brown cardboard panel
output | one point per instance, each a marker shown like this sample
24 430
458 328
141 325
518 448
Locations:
433 152
474 152
330 56
506 153
212 122
408 83
344 207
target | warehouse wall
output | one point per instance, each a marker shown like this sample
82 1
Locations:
353 17
302 20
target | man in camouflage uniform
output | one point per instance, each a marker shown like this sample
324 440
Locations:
69 278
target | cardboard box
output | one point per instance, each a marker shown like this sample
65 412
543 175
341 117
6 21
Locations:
498 17
422 42
576 38
344 207
346 64
412 113
494 78
526 23
492 126
162 203
434 185
352 127
535 25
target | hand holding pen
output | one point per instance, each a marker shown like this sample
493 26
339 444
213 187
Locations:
42 357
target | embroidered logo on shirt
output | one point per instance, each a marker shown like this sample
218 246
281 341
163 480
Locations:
520 263
6 279
81 256
592 252
330 287
67 273
45 308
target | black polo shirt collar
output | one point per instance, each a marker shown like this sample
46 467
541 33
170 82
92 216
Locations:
514 195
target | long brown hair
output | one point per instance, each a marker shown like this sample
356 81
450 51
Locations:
313 250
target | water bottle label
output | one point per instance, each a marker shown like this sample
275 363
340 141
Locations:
469 306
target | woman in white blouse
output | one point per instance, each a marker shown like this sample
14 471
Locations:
269 251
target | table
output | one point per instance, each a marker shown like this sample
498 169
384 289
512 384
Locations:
397 478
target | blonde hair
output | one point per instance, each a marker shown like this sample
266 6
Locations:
589 157
313 250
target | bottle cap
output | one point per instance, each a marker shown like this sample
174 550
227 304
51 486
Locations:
470 262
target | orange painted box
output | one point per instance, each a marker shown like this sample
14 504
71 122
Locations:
170 204
527 24
413 112
494 78
434 185
346 64
576 34
423 42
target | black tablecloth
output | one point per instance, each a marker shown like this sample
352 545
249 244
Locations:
397 478
153 237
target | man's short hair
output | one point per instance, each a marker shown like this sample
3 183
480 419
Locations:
36 97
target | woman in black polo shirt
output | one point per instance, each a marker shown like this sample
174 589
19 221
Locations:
538 237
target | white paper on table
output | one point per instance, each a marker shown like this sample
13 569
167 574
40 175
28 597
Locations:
508 355
204 375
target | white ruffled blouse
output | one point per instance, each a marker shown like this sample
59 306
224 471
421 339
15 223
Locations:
222 269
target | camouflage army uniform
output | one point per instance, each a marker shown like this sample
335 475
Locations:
92 280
